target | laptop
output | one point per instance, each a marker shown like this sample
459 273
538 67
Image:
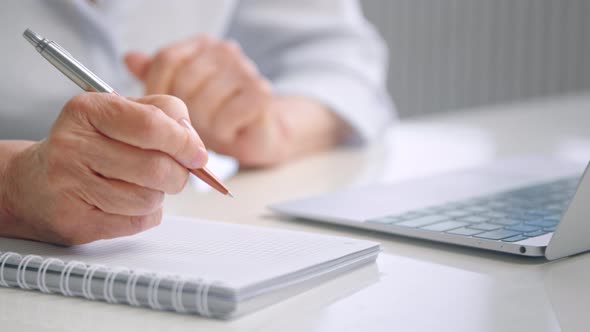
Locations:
530 206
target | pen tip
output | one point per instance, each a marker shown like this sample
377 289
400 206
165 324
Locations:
230 194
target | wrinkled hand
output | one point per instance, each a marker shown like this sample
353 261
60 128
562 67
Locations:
229 102
103 170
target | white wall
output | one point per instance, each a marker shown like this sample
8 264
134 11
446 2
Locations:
449 54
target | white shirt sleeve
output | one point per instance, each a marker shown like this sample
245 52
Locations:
321 49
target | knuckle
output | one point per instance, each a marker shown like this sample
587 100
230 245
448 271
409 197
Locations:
152 200
224 48
257 93
77 103
154 219
247 68
185 144
158 171
230 47
225 136
157 217
168 55
179 185
91 106
172 103
141 223
262 87
205 40
78 106
137 223
147 121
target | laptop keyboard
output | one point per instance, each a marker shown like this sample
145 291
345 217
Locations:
507 216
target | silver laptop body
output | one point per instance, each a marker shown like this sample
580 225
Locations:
527 206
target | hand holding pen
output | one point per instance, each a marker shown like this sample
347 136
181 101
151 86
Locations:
104 168
88 81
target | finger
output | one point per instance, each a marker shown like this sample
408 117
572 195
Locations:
143 126
197 71
208 100
108 226
121 198
138 64
241 111
165 63
146 168
175 109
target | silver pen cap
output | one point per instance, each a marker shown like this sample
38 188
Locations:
67 64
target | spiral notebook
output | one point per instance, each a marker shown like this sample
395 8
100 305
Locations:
185 265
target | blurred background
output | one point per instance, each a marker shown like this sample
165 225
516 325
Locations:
453 54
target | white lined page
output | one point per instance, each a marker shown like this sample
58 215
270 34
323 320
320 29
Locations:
235 255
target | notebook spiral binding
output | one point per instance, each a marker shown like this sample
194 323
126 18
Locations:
98 282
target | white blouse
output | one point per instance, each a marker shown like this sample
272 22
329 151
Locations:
322 49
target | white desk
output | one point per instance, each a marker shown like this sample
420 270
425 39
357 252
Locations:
415 285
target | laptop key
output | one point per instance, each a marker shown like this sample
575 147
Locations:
522 228
515 211
495 215
542 223
539 213
411 215
526 217
555 207
497 234
550 229
509 217
484 226
423 221
473 219
445 226
506 221
555 217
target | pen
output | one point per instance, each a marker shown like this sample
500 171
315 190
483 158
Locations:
88 81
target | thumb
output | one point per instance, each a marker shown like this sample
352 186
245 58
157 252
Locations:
138 64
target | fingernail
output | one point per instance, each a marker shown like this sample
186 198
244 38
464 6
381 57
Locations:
200 159
200 156
190 127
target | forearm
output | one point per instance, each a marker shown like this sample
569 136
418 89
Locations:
309 126
8 150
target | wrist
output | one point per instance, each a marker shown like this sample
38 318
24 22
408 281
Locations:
308 126
9 151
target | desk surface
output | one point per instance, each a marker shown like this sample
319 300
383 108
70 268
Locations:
415 285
